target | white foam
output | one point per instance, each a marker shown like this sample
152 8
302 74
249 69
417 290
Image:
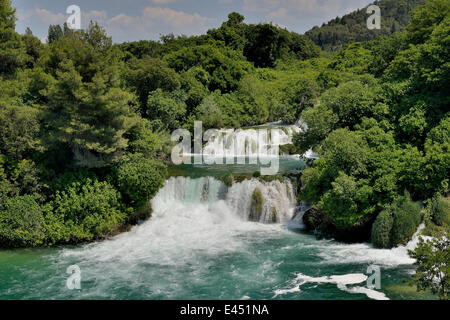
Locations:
339 253
341 281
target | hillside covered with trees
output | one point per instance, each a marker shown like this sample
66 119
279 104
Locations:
352 27
85 124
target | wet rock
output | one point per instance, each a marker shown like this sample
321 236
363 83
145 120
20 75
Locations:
256 206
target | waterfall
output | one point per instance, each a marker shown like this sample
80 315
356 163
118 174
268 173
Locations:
278 198
244 142
297 221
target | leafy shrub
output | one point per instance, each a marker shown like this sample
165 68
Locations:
21 222
381 230
84 211
440 210
139 179
228 180
69 177
407 217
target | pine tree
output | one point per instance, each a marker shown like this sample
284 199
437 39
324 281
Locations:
12 51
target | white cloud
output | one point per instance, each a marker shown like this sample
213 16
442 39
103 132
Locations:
302 12
162 2
155 21
150 24
301 8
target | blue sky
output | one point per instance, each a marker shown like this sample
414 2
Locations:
129 20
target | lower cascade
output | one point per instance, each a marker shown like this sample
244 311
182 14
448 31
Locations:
202 242
250 200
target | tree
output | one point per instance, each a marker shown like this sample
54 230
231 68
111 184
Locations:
209 113
407 217
225 66
425 18
440 210
21 221
319 122
350 101
12 52
139 179
232 32
147 75
381 230
433 260
266 43
90 118
55 32
169 108
437 157
19 131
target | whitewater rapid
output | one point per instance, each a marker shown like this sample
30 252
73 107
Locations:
199 236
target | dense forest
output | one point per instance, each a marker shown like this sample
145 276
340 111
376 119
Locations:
352 27
85 124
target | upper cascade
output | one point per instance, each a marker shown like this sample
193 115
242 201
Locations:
246 143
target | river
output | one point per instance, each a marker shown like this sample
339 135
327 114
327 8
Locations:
200 244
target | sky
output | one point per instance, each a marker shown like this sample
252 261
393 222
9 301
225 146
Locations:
131 20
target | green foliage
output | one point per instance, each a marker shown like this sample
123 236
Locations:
425 18
90 118
145 140
81 110
267 43
395 15
83 212
437 158
381 230
228 180
433 272
320 121
12 51
139 179
225 66
19 131
169 108
440 210
21 222
231 32
407 217
210 114
346 202
351 101
147 75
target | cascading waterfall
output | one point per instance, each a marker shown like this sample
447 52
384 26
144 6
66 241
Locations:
278 203
278 198
199 245
244 142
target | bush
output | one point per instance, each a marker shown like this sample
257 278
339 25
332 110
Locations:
381 230
440 210
21 222
84 211
139 179
69 177
407 217
228 180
